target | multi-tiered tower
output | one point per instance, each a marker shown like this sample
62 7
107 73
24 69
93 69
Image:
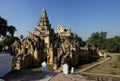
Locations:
46 33
44 30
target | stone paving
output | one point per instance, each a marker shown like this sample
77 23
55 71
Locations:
48 76
28 75
69 77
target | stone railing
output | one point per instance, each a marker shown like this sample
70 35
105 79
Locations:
5 63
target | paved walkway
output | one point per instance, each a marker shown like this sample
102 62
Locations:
28 75
69 77
48 76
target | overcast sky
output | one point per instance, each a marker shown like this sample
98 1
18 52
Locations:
83 16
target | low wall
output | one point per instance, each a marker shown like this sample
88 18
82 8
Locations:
5 63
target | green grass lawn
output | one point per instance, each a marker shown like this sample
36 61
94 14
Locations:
37 69
87 63
109 67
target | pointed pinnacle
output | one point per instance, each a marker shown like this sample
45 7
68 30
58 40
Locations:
44 11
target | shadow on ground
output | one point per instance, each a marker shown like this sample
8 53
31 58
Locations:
26 75
83 62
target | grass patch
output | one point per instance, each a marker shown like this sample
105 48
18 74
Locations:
37 69
109 67
86 63
50 68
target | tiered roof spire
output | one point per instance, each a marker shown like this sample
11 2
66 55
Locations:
44 19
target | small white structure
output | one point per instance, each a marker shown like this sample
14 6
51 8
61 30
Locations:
105 56
44 66
5 64
72 70
65 69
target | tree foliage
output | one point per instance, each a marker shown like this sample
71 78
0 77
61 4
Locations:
9 40
11 30
98 39
7 33
113 44
4 28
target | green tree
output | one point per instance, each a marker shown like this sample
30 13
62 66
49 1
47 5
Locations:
11 30
3 27
103 40
9 40
98 39
113 44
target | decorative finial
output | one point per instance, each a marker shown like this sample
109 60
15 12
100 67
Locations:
44 11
